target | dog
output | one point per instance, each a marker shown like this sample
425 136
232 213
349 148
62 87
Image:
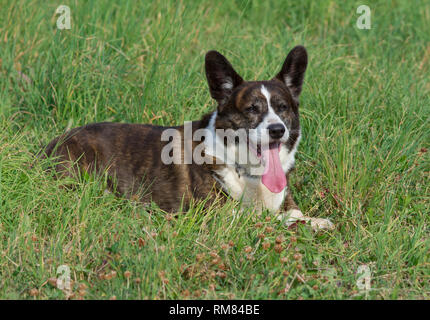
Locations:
153 163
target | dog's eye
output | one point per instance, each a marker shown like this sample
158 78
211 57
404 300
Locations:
283 106
252 109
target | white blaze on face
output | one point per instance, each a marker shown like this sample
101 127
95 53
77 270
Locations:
270 118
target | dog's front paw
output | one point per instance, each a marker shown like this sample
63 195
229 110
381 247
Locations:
321 224
291 217
294 216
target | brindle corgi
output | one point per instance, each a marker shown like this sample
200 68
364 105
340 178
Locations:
199 160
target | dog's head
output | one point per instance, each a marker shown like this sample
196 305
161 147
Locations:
268 110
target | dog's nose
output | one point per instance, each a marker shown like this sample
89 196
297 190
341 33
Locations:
276 130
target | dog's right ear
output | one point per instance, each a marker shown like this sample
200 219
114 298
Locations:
293 70
222 78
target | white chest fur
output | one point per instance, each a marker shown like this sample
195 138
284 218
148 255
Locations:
250 190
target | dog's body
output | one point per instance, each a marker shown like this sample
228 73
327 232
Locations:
132 154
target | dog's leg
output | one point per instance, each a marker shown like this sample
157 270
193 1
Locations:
291 214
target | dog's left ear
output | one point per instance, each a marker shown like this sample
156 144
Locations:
293 70
221 76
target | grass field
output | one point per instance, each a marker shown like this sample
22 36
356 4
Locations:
362 162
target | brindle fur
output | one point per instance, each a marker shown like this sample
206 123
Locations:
130 154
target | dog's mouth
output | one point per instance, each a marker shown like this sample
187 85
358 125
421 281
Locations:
272 145
273 176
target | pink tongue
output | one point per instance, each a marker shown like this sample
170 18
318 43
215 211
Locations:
273 177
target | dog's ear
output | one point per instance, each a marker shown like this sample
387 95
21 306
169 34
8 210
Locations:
222 78
293 70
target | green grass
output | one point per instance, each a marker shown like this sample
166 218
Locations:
362 161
